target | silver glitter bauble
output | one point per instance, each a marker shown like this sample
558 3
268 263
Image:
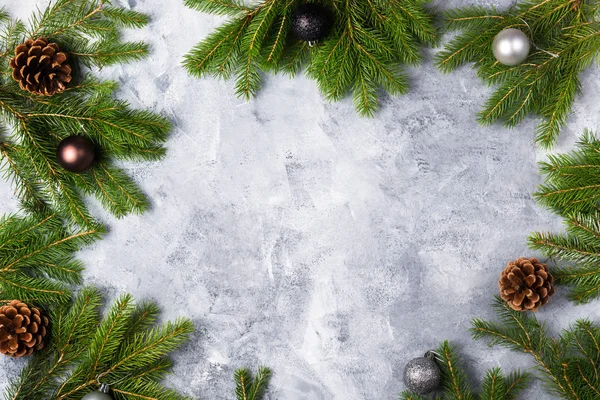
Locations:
422 375
100 394
511 47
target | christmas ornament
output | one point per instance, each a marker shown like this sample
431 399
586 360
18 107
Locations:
422 375
311 22
526 284
75 153
40 67
511 47
22 329
101 394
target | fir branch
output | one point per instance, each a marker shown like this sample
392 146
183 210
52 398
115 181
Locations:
89 31
219 7
71 329
579 251
547 83
248 388
455 383
572 181
369 42
572 189
37 258
568 364
84 349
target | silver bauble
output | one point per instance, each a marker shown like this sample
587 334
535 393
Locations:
511 47
100 394
422 375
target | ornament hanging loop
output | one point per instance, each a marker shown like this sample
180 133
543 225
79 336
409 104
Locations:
104 388
533 43
312 43
109 385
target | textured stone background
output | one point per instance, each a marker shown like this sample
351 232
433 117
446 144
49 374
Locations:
300 236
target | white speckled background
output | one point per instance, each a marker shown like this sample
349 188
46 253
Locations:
329 247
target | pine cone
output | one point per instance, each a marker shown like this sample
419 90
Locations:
526 284
22 329
40 67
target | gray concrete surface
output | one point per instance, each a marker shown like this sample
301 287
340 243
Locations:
299 236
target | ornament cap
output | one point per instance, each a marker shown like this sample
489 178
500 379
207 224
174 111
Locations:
104 388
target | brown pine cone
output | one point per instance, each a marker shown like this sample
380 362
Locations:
526 284
22 329
40 67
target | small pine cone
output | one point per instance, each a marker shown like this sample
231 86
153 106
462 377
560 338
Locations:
22 329
526 284
40 67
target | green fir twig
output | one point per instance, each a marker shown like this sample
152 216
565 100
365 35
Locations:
364 53
125 348
572 180
566 37
89 32
455 383
572 189
36 258
248 388
567 364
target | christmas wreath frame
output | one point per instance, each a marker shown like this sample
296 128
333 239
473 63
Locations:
126 346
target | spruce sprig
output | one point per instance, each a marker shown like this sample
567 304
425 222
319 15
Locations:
572 189
455 385
579 252
248 388
36 258
125 348
567 364
89 32
572 180
566 37
364 53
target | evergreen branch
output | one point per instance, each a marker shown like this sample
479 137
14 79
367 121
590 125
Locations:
82 345
108 53
248 388
547 83
27 190
454 381
89 31
37 258
407 395
494 385
219 7
368 43
516 382
125 18
572 189
572 180
567 363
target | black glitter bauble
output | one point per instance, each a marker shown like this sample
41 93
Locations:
75 153
311 22
422 375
